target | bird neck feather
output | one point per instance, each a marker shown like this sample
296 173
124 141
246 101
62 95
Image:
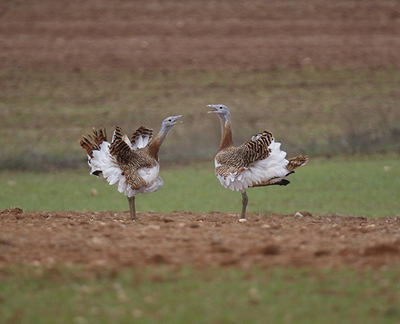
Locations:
226 134
154 146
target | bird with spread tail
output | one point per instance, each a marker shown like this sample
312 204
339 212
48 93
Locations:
131 164
256 163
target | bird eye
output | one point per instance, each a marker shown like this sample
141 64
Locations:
169 120
220 107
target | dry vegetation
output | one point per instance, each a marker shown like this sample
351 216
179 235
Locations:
318 74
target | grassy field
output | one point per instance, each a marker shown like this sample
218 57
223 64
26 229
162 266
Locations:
363 186
44 113
189 296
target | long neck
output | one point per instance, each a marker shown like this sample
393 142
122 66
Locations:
226 133
155 144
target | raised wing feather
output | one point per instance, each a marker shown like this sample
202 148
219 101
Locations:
119 148
236 159
257 148
93 141
141 137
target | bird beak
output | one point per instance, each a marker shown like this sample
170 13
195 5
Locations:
213 109
176 121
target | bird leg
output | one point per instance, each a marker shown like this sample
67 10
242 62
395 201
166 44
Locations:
244 204
132 208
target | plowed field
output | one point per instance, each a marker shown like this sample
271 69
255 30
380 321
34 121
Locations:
199 34
200 240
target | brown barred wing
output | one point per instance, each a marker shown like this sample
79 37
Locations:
119 148
236 159
257 148
93 141
141 137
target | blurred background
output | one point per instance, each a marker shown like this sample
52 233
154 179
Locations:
323 76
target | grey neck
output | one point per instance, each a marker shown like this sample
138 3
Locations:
163 133
224 120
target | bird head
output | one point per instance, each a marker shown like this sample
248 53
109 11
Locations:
221 110
171 121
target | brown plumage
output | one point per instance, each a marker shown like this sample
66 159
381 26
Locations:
258 162
271 182
120 149
93 141
131 165
236 159
141 131
296 162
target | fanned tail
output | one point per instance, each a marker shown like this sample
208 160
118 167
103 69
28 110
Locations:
296 162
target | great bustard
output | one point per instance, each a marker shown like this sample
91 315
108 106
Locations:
258 162
131 164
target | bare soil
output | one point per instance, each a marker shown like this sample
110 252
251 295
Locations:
98 239
171 35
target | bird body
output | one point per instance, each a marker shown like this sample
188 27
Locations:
237 170
130 164
257 162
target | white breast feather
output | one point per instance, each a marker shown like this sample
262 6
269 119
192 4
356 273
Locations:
263 170
103 161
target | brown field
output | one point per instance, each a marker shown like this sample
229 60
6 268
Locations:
321 75
109 239
171 35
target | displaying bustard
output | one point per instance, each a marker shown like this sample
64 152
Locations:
131 164
258 162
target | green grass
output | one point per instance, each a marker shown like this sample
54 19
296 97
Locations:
44 112
209 296
362 186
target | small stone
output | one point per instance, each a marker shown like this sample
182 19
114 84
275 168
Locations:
149 299
93 192
96 241
137 313
242 220
121 296
298 214
80 320
254 295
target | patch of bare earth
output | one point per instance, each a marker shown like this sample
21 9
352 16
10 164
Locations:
180 238
194 34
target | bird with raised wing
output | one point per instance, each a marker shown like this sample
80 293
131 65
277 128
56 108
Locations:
131 164
257 162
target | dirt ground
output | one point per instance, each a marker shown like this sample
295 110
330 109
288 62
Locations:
97 239
171 35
